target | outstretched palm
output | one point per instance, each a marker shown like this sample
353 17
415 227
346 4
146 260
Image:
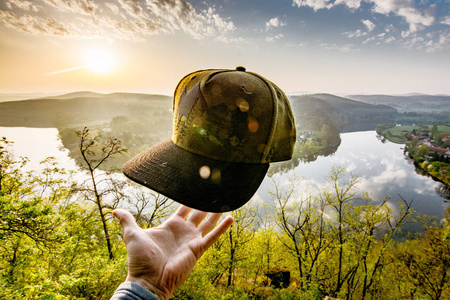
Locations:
161 258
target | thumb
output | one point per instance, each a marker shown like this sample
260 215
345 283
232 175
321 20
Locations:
126 219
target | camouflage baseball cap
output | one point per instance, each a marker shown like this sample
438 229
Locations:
228 125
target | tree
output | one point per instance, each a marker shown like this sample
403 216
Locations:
149 208
425 262
27 214
376 219
239 233
95 151
338 197
423 150
293 213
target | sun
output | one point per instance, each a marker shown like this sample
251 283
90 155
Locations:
99 60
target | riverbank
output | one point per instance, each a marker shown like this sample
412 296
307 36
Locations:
428 146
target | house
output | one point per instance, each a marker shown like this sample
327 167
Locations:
439 150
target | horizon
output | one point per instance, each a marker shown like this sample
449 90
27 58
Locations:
300 93
338 47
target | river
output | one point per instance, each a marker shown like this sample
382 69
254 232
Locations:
382 167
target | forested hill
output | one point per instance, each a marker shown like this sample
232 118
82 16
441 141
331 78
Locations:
87 108
415 108
407 102
81 109
342 113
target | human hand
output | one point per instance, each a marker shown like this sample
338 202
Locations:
161 258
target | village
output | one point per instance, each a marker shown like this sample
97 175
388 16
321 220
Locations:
428 146
437 143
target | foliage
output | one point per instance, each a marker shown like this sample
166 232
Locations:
51 238
334 242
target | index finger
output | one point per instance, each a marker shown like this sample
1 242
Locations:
209 223
183 211
214 235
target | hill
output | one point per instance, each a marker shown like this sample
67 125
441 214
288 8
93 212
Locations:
82 94
25 96
138 120
142 120
81 108
414 108
342 113
406 102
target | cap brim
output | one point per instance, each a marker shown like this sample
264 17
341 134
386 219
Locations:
176 174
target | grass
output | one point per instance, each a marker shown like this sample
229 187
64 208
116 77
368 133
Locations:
395 134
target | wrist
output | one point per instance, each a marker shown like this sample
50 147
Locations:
147 285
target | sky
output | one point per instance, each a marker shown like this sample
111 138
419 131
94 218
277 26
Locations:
340 47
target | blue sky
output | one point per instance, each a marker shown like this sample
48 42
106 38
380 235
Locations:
337 46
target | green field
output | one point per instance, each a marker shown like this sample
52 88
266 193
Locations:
396 133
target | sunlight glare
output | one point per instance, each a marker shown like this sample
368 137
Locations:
99 61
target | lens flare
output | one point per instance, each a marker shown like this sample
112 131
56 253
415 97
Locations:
205 172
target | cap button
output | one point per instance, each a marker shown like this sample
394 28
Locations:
240 68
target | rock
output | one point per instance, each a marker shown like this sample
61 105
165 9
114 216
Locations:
279 277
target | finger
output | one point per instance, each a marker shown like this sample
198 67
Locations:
183 211
126 219
197 217
209 224
214 235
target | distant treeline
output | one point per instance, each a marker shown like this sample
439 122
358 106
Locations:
142 120
312 111
80 109
413 109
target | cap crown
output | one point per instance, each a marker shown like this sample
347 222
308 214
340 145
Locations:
233 115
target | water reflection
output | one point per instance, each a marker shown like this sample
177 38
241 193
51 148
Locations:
383 169
443 191
37 144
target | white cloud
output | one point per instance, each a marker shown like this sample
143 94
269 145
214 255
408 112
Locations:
25 5
352 4
445 20
119 19
405 8
439 42
328 4
33 25
389 28
359 33
86 7
416 18
274 38
274 22
114 8
369 24
355 34
369 40
340 48
431 42
314 4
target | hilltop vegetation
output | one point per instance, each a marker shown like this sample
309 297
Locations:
342 113
413 109
59 241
